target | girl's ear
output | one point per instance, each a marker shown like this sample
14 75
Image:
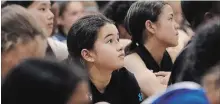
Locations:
150 27
87 55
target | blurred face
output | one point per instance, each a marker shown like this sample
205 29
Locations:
108 53
212 92
177 10
34 48
80 95
42 11
72 13
166 28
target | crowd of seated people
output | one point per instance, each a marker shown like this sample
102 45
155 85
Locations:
121 52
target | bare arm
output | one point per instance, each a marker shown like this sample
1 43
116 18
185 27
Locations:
147 80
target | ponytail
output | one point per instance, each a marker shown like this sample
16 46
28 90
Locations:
130 48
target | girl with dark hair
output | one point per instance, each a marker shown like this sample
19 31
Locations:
94 41
153 29
69 13
36 81
41 11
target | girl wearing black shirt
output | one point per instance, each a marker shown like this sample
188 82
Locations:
153 29
94 41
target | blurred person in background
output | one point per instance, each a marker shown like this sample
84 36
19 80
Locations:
116 11
21 37
69 13
93 41
196 13
211 83
36 81
102 4
203 52
90 6
41 10
153 28
55 11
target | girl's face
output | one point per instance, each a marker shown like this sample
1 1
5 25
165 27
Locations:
72 13
166 28
176 5
108 53
42 11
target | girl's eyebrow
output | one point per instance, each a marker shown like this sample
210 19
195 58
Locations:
108 35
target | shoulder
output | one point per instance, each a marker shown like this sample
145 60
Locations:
134 63
125 76
59 48
130 86
133 57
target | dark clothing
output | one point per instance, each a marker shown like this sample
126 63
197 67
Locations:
166 63
122 89
178 66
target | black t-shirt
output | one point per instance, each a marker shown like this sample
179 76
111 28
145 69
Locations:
166 63
122 89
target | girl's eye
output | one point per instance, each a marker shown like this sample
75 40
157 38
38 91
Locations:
42 9
110 41
170 18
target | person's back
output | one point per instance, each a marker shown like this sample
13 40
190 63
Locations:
208 10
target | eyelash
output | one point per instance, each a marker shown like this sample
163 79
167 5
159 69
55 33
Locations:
170 18
111 40
42 9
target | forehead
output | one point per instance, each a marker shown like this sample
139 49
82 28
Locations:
166 10
175 5
75 5
40 3
106 30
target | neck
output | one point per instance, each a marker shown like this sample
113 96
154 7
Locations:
100 77
156 49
